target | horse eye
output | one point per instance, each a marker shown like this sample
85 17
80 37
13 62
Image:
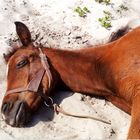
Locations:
21 63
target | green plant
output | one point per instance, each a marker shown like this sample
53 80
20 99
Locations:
106 20
86 9
107 2
82 12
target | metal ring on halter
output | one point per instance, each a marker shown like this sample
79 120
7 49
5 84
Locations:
51 102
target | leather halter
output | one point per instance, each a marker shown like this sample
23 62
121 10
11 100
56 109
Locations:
34 84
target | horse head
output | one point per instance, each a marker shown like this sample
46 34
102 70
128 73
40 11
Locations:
28 80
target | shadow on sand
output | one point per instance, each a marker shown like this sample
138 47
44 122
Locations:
45 113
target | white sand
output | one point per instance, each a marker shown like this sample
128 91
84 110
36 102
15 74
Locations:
56 24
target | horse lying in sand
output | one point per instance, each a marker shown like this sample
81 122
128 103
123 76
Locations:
111 71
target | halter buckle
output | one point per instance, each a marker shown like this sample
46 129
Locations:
49 102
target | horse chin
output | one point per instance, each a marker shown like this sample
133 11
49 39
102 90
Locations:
18 116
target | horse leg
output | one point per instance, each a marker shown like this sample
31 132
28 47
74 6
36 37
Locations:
134 130
120 103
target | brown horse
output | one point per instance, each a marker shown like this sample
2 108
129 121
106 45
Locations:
111 71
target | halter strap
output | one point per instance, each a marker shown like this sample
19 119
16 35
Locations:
33 85
46 66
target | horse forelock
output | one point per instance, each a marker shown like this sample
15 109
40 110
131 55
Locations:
14 46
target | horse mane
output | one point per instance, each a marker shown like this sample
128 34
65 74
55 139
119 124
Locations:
16 44
119 33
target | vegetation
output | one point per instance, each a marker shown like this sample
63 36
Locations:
106 20
107 2
82 12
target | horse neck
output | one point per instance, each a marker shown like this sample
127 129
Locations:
81 70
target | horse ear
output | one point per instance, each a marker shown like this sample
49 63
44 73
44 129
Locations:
23 33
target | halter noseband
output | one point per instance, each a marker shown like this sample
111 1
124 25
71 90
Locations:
33 85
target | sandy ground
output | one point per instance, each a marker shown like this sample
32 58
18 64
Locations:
54 23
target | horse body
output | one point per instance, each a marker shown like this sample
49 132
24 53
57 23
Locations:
77 70
102 71
111 71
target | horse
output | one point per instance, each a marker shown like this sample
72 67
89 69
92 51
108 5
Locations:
111 71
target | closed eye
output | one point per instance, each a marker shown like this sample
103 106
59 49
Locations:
22 63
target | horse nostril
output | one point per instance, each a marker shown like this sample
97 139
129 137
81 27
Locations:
6 107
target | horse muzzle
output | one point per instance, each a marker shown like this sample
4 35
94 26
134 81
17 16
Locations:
17 114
